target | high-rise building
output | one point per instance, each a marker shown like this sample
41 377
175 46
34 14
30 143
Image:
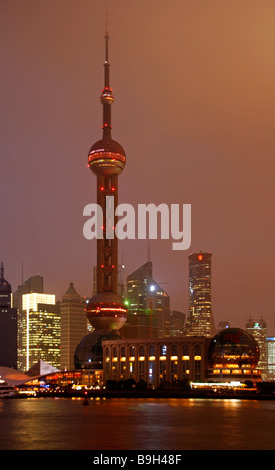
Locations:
200 321
33 284
258 329
148 305
105 310
270 346
40 330
8 325
74 325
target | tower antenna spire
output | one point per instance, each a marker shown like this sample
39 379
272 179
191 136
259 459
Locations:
106 34
107 97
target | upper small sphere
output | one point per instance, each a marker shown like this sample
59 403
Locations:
107 96
107 157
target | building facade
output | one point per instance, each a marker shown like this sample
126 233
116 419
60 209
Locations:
8 325
200 319
74 325
33 284
40 330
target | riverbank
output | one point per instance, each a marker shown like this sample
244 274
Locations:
184 394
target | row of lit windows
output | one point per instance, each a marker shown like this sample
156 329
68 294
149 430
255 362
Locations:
141 365
152 358
139 369
232 366
235 371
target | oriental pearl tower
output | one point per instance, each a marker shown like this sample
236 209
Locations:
105 310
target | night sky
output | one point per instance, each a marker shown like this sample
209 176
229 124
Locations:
194 110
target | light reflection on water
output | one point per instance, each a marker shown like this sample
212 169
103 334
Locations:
137 424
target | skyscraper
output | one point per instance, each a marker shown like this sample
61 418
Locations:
258 329
270 346
8 325
73 325
33 284
40 330
148 305
105 310
200 320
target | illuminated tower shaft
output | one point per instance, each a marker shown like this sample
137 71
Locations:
107 160
107 248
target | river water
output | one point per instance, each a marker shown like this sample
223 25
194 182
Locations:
136 424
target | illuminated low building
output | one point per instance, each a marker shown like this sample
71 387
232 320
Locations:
46 382
155 360
233 356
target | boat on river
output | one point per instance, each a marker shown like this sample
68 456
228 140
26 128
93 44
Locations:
6 390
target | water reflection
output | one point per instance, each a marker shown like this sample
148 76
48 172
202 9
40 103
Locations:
137 424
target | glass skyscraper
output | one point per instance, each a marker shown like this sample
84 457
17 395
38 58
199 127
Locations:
148 305
40 330
258 329
200 320
33 284
74 325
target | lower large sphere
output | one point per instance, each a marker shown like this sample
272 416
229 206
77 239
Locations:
89 352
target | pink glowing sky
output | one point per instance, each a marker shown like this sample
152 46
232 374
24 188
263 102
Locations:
194 110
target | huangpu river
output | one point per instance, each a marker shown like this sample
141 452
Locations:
137 424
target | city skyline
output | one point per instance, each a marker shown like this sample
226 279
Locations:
194 109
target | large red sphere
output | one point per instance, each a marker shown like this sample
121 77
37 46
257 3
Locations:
107 157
